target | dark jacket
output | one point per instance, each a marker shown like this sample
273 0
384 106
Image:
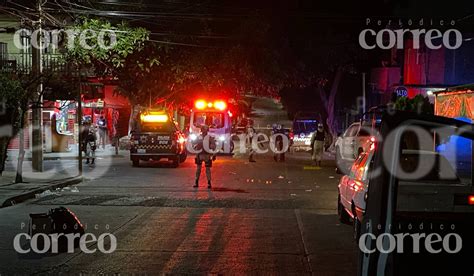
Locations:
317 136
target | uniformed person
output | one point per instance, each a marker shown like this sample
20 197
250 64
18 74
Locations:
317 144
206 145
278 131
88 141
251 135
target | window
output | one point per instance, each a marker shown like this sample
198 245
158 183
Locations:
305 126
352 131
212 119
363 132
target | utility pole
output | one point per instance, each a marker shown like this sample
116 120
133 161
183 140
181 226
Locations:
37 112
79 124
363 95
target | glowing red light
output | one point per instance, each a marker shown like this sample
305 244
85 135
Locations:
200 104
471 200
221 105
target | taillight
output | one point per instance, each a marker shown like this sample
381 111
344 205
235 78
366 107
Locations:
292 135
470 200
356 185
372 143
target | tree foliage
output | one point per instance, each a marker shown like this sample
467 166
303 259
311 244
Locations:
419 104
128 40
14 103
161 73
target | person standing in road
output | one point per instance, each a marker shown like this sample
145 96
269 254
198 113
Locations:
277 132
102 125
206 146
251 134
88 138
317 144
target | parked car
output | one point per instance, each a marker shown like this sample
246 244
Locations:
353 190
355 140
417 184
304 125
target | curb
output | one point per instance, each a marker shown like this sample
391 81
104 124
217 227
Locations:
31 194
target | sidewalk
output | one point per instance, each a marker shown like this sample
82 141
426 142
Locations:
36 183
109 151
12 193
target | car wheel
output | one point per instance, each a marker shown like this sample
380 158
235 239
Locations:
136 162
231 150
341 212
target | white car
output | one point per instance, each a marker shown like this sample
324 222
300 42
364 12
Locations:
355 140
352 191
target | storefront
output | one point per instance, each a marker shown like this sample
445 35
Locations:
456 102
60 126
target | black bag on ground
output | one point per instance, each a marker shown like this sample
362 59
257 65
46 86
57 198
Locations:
56 221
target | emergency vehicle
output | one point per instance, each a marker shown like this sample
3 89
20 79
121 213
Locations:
304 125
217 116
155 136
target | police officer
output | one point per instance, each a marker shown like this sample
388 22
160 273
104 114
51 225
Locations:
88 141
317 144
277 133
251 135
206 146
102 125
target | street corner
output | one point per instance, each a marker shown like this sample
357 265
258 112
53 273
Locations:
16 193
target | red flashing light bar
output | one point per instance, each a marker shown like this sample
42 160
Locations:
202 104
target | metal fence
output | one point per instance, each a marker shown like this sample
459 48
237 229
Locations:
23 63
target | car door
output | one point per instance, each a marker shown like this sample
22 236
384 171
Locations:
347 192
357 173
359 189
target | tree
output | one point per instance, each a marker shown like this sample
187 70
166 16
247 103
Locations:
419 104
329 101
14 106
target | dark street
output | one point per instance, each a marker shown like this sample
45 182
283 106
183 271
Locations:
263 217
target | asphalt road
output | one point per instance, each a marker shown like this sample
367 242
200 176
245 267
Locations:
262 217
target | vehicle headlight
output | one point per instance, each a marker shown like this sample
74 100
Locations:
192 136
222 138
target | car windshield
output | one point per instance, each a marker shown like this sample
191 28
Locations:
212 119
305 125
